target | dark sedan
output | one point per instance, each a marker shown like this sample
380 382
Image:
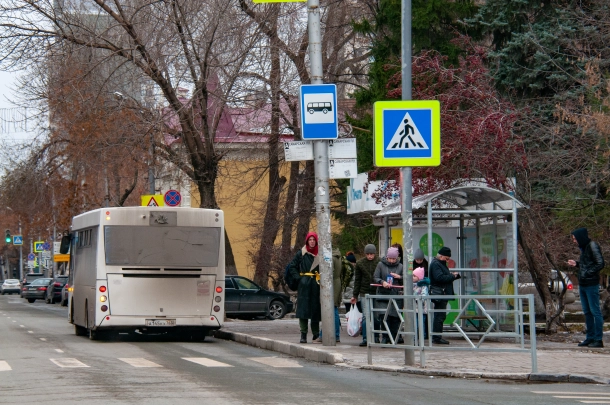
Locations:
245 299
36 290
54 290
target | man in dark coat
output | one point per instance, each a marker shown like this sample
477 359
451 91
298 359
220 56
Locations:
305 268
590 263
441 283
365 270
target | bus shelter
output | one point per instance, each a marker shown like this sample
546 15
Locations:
479 225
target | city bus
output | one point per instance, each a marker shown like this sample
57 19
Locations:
147 270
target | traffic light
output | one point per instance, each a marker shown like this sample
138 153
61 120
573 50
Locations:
7 236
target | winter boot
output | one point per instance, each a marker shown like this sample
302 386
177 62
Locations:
316 339
303 337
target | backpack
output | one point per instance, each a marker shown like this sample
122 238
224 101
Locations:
290 282
347 273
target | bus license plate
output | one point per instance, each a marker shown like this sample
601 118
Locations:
160 322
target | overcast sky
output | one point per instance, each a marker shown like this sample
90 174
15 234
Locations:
6 81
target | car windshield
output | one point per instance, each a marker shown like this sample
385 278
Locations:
41 281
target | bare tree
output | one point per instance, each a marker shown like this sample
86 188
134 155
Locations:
202 46
344 55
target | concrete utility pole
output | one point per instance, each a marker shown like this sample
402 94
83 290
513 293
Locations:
320 150
407 186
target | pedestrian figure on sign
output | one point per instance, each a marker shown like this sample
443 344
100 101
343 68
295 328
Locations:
405 133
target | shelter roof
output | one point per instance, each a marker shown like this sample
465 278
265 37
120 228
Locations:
467 198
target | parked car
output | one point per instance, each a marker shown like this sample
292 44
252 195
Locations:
245 299
64 295
36 290
526 286
11 286
54 291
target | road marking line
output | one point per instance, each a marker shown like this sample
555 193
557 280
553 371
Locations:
4 366
43 339
14 321
595 402
140 362
279 362
68 363
59 350
568 393
23 326
206 362
581 396
30 331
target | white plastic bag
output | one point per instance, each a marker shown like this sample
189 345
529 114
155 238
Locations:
354 321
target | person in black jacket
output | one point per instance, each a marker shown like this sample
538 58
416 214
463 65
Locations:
589 265
441 283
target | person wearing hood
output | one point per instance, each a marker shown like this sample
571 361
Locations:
389 274
421 284
590 263
441 283
419 260
305 268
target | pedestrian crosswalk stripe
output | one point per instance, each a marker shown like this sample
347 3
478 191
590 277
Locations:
206 362
139 362
68 363
59 350
43 339
582 397
568 393
279 362
4 366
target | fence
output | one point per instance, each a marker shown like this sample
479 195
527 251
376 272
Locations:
483 312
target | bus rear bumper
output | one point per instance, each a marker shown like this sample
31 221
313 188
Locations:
142 323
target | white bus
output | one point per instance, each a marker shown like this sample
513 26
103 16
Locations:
147 270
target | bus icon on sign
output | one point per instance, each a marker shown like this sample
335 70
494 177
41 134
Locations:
324 107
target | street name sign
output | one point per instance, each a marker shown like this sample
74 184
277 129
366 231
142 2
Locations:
407 133
319 111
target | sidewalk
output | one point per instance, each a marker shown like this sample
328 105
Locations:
557 362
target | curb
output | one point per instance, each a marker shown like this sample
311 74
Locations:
292 349
322 356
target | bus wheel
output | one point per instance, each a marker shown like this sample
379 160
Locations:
79 330
198 336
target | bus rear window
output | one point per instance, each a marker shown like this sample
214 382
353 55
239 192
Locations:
160 246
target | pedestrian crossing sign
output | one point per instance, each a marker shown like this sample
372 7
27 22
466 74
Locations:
407 133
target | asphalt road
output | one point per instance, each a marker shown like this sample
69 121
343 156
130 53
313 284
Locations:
43 362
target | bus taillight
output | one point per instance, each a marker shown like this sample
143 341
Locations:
216 308
102 288
104 308
103 298
219 289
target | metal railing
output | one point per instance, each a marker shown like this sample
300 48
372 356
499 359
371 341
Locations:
482 309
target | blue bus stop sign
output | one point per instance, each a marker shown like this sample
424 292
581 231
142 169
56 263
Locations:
319 111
